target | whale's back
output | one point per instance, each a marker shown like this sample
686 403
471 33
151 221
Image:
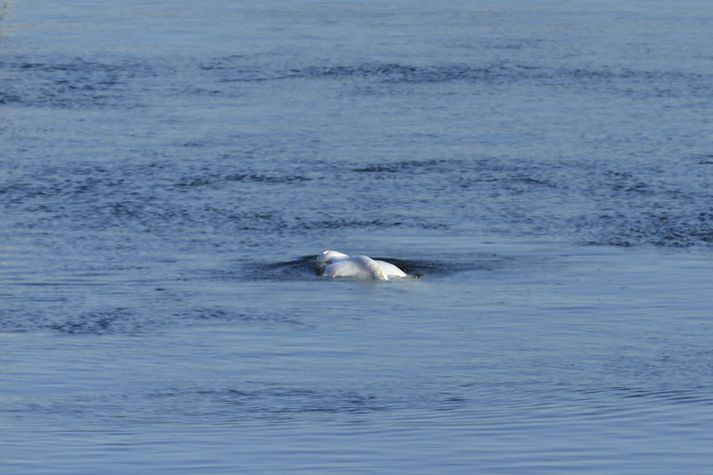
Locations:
362 267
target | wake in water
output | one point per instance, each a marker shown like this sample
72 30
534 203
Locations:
307 267
333 264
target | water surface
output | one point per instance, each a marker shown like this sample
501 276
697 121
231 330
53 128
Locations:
167 170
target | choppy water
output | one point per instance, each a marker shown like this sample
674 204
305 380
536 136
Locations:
168 168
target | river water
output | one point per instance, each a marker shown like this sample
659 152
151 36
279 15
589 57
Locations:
168 170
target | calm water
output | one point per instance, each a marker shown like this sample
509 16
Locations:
167 168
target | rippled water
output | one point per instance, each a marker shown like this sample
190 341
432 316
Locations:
169 170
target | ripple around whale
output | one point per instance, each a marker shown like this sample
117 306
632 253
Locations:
306 267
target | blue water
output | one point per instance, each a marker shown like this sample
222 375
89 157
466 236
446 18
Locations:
169 169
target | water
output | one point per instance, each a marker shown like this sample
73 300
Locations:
167 169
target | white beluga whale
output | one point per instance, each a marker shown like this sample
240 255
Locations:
338 264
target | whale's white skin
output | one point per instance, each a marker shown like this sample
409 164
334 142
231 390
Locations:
338 264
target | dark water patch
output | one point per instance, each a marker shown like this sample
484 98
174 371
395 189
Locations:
396 73
138 322
241 68
209 180
684 395
8 98
510 183
632 204
112 321
337 223
257 69
455 264
535 182
433 268
19 320
645 83
120 321
510 178
264 400
74 83
268 400
245 68
404 166
222 315
675 225
122 82
703 158
390 168
233 402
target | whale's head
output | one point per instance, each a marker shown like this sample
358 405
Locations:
329 257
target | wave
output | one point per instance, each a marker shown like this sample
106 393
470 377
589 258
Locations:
136 322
